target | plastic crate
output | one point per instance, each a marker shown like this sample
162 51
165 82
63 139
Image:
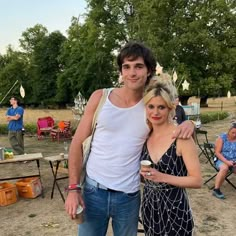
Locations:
7 194
29 187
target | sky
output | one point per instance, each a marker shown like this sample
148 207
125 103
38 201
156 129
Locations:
18 15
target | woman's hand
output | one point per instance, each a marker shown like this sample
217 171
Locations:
152 174
229 163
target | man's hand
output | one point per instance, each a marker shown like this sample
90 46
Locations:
74 199
184 130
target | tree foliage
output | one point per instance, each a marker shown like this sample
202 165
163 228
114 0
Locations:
195 38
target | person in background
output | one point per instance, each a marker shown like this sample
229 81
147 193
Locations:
180 115
112 184
225 151
174 166
14 116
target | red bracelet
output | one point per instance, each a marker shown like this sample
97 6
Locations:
73 187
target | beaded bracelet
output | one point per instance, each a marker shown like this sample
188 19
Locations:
72 190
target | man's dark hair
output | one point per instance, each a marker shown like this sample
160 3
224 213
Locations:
16 99
132 51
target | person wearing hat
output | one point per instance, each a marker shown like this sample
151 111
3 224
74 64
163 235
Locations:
15 126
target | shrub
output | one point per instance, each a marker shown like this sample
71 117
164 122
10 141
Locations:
30 129
3 129
211 116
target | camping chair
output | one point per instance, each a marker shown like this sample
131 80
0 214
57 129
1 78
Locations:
200 143
201 138
210 155
44 126
62 131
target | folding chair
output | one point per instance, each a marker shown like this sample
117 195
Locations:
210 155
201 138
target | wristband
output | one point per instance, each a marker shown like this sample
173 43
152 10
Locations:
74 187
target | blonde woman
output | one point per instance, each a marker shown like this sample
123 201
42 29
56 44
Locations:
175 166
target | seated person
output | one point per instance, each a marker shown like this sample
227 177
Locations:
225 151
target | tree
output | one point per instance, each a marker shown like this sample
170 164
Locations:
12 68
32 37
87 58
46 67
196 38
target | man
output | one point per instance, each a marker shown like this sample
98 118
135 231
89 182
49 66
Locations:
15 118
112 183
179 112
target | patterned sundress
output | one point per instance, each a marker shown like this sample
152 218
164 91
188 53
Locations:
165 208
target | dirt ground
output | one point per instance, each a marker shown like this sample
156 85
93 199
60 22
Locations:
47 217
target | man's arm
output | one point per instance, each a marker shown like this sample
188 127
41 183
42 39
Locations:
16 117
20 112
76 155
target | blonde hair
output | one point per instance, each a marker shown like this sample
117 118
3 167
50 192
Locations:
163 86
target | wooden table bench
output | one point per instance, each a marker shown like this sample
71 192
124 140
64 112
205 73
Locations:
24 159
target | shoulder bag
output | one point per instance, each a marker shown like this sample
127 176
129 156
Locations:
88 141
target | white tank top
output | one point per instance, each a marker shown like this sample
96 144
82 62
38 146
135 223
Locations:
120 133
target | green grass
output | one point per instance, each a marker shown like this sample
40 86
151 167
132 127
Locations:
211 116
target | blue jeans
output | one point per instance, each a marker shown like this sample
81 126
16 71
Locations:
101 205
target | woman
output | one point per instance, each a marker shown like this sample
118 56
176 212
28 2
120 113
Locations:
175 166
225 151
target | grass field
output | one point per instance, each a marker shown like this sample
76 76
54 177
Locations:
32 115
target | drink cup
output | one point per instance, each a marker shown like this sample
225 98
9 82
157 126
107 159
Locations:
79 215
62 155
145 164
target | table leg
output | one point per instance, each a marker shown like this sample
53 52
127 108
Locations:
38 165
55 180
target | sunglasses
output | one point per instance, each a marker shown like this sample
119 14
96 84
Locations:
233 125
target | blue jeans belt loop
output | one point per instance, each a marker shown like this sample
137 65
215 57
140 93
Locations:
97 185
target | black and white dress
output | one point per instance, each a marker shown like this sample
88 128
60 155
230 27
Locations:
165 208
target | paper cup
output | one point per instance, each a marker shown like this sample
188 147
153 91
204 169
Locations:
145 164
79 215
62 155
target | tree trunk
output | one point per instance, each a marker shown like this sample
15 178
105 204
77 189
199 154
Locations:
184 99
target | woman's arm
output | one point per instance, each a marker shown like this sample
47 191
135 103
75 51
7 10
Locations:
218 149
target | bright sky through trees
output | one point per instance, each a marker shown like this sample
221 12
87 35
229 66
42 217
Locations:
18 15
